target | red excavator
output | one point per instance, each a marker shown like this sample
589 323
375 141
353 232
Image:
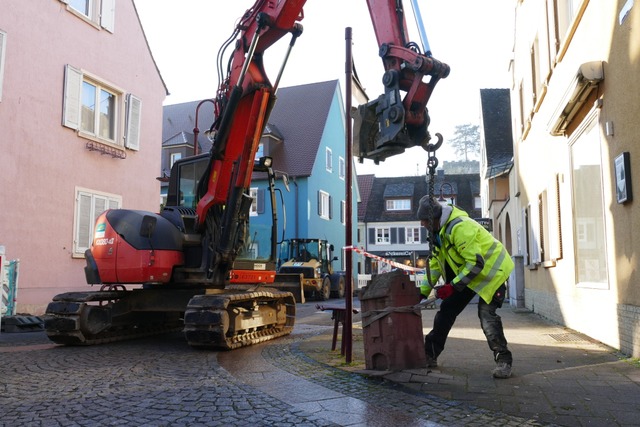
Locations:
196 265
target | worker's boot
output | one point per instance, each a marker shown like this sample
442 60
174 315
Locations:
502 370
432 362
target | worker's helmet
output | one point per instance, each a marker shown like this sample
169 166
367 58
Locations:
429 208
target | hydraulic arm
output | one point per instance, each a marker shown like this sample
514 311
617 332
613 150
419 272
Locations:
393 122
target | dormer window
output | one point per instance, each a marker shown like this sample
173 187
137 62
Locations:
398 205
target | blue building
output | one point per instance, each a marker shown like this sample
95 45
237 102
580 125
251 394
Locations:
305 136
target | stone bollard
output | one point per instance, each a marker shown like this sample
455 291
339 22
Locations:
391 324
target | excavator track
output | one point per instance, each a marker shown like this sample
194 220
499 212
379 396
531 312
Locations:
89 318
237 318
221 319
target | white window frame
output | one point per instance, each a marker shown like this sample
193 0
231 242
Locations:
329 160
3 48
341 168
412 235
590 231
93 127
87 204
383 236
127 125
100 13
253 192
324 207
174 158
477 202
343 212
398 205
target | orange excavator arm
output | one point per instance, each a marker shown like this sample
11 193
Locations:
383 127
397 119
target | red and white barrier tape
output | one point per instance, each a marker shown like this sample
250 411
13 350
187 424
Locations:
386 261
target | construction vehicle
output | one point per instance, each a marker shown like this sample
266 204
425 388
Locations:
312 258
193 266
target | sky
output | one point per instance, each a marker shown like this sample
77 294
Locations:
473 37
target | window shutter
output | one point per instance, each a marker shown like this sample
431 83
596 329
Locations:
3 38
134 111
394 235
523 241
260 201
534 232
107 15
330 207
401 235
84 223
100 204
113 204
555 227
72 95
319 203
423 235
372 236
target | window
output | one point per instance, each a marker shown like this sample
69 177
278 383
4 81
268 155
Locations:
533 232
175 157
588 207
98 111
341 168
398 205
329 160
536 80
259 151
89 205
3 48
94 108
477 202
551 231
565 13
412 235
343 212
257 206
324 205
383 235
100 13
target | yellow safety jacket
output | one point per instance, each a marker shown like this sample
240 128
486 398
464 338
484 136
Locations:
479 261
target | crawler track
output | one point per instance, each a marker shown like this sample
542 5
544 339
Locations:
87 318
237 319
223 319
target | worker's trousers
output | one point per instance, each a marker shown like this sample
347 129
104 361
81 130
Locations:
491 324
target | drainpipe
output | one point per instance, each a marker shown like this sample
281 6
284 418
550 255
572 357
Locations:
297 208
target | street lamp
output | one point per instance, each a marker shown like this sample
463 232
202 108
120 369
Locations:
196 131
441 198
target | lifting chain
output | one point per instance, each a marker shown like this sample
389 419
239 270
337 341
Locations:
432 165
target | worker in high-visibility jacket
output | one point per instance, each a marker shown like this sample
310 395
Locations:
470 261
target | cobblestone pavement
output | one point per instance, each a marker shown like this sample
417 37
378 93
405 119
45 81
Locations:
161 381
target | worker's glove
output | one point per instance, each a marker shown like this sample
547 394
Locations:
445 291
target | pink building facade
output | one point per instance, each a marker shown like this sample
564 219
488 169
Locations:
80 131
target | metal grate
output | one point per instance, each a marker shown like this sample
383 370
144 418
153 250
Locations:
568 337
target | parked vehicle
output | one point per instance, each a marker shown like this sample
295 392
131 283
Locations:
312 258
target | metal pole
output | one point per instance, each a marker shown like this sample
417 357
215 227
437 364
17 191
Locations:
348 322
421 30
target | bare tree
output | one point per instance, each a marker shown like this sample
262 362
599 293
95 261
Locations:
466 140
